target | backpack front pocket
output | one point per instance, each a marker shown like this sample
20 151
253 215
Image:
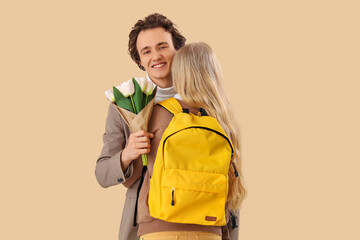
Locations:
193 197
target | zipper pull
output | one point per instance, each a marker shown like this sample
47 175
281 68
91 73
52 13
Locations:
236 172
172 196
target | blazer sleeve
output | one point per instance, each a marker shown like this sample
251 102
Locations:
108 169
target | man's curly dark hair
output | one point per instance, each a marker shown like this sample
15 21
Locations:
153 21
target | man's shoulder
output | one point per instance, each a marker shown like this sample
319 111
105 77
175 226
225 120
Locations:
114 117
161 111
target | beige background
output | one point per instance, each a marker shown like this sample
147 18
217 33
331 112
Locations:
291 71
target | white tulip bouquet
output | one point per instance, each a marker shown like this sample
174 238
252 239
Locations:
134 100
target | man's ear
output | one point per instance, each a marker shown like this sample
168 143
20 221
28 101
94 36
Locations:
141 66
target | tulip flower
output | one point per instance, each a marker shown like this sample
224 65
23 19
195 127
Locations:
149 90
110 95
127 88
142 83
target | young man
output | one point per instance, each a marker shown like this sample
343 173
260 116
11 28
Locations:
153 43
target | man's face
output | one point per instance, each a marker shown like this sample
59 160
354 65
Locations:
156 51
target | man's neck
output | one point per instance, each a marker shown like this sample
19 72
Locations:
166 82
162 93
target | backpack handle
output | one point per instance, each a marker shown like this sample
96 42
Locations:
172 105
185 110
203 112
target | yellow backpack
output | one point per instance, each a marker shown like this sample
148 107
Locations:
189 183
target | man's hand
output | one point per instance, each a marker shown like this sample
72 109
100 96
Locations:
138 143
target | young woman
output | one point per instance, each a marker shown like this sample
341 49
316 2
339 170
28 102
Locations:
197 79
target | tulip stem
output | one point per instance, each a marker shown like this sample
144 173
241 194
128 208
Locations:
146 99
144 159
132 101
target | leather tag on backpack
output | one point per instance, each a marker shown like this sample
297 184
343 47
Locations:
208 218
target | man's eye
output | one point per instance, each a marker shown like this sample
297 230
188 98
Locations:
163 47
146 52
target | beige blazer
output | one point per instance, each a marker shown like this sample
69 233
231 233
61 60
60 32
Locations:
108 173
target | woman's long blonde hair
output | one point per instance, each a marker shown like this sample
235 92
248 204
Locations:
197 78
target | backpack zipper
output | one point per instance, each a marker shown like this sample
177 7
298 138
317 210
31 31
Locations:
209 129
172 196
235 171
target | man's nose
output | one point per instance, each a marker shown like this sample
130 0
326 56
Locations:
157 55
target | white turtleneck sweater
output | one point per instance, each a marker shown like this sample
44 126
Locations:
164 93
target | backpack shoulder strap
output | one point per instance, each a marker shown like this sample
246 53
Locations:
172 105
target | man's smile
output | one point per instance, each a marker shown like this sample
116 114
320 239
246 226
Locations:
158 65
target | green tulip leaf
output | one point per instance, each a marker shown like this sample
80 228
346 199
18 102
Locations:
151 96
122 101
138 97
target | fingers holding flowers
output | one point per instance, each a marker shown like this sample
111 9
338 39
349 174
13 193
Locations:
138 143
